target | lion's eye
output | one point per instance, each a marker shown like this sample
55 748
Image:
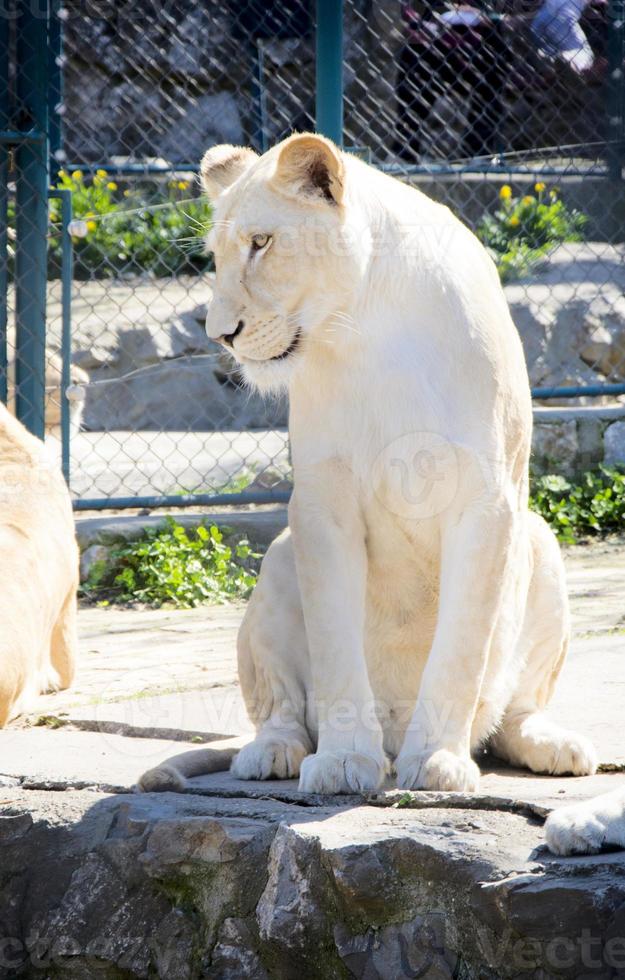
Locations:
259 242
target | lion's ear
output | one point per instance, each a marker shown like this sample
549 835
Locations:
222 165
310 166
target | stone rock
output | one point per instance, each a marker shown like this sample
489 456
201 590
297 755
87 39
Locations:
234 955
178 394
186 844
91 557
199 33
605 352
555 447
212 119
120 327
614 444
571 315
404 951
180 887
290 910
150 363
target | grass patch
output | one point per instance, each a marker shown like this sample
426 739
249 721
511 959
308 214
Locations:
174 565
592 505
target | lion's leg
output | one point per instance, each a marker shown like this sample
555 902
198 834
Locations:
329 543
527 737
274 672
64 641
479 576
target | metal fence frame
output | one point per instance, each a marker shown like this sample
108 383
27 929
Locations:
39 85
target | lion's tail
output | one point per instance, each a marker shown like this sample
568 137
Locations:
172 775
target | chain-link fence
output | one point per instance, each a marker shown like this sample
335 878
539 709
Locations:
511 112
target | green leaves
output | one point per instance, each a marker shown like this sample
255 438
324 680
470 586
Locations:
595 505
525 229
122 237
173 565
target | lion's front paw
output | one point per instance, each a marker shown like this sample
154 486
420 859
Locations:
574 830
441 770
266 757
341 772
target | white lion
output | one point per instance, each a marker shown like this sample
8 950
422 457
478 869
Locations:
414 609
38 571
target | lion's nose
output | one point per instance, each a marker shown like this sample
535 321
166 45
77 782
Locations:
228 338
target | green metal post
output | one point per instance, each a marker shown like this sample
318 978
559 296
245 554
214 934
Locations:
31 207
616 88
67 261
5 111
259 112
329 109
55 88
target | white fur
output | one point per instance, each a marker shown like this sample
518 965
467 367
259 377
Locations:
38 571
584 828
414 608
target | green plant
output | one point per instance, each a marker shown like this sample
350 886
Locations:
593 505
171 564
50 721
525 229
123 235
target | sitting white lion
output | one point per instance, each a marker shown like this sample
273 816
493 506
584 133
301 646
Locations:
38 571
414 609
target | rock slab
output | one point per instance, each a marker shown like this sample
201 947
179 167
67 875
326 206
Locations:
185 887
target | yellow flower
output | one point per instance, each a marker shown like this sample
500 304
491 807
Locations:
514 221
528 199
126 193
62 174
539 187
506 192
112 186
77 175
182 185
101 174
91 226
553 194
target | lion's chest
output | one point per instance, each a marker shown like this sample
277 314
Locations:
401 601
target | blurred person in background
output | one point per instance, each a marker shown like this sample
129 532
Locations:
559 33
479 54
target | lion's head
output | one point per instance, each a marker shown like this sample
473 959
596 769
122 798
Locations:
285 255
